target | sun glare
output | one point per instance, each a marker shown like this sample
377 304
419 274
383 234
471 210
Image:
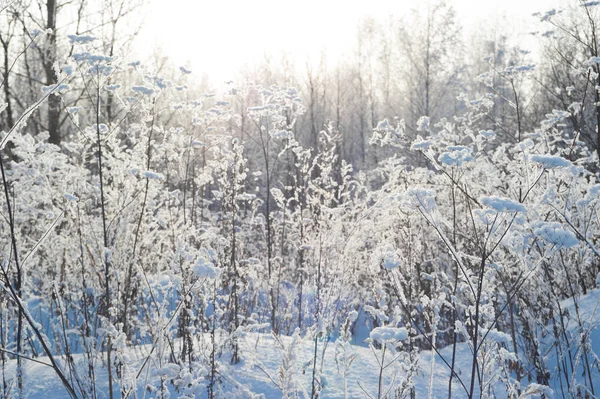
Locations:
220 38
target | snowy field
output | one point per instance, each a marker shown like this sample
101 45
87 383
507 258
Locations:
258 374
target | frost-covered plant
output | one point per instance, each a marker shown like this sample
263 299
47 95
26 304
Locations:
344 353
287 370
389 338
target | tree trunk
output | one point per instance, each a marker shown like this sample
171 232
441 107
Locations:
50 57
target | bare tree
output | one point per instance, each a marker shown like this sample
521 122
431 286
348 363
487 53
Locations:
431 43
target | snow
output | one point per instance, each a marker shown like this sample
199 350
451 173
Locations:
423 124
56 89
550 161
575 108
497 336
281 134
455 156
177 106
512 70
142 90
388 334
502 205
73 110
112 87
67 70
421 198
554 233
91 59
593 61
535 390
353 315
420 144
153 175
70 197
488 134
525 145
256 373
36 33
205 269
594 190
80 39
102 128
384 125
555 117
391 260
262 360
549 14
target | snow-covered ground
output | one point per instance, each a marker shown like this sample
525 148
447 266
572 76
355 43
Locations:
258 374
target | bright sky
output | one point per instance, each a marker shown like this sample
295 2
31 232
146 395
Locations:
219 36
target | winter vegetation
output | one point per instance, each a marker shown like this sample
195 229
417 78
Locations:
421 220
